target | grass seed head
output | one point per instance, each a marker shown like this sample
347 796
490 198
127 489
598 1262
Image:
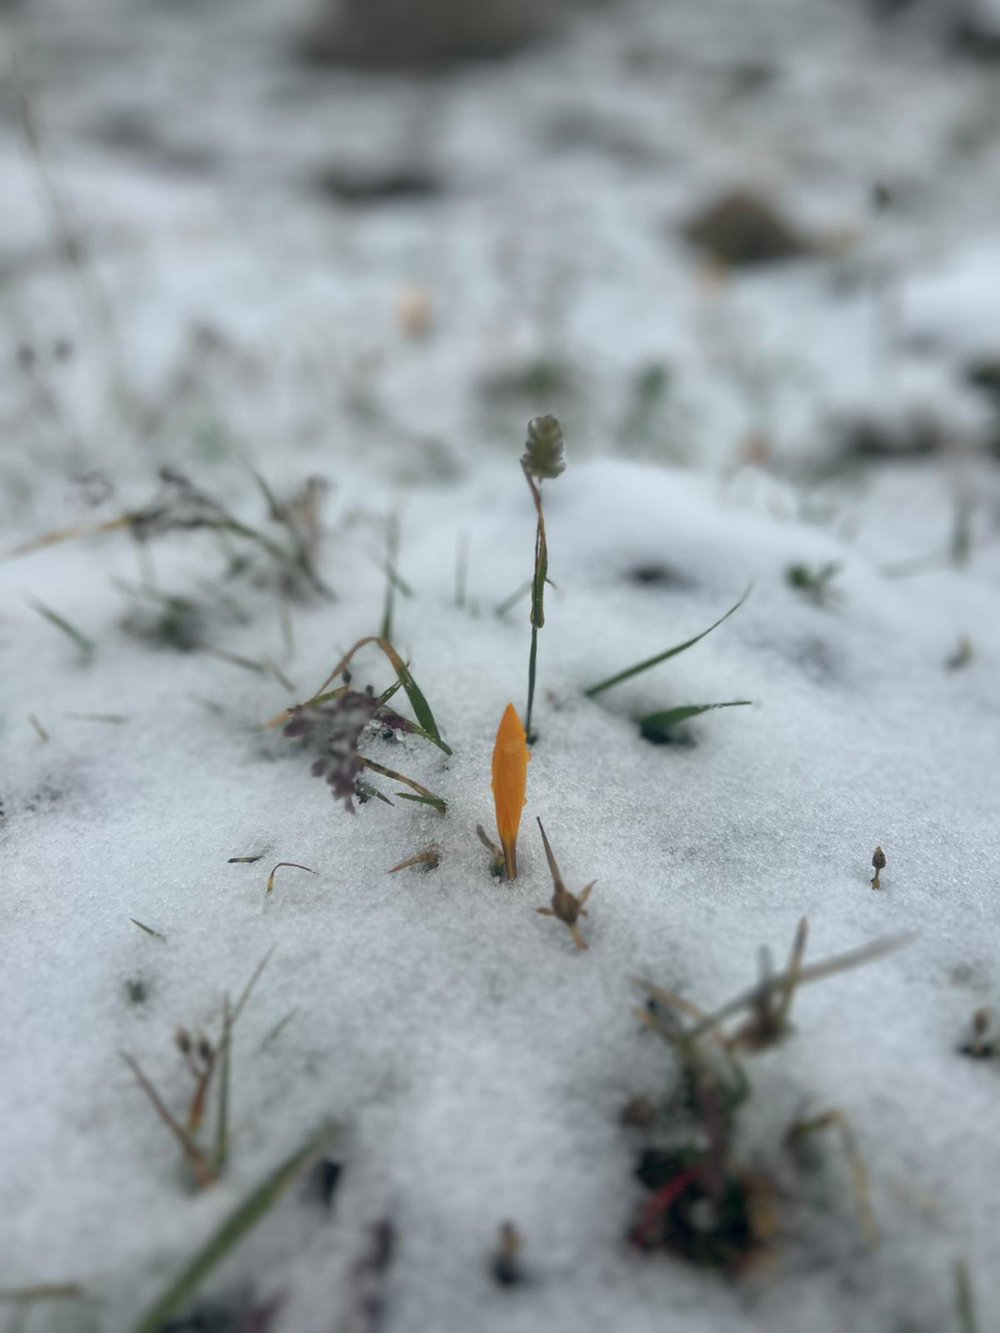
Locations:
543 453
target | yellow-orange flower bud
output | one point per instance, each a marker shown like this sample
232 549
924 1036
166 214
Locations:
510 781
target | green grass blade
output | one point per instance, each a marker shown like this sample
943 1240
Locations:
657 726
964 1301
113 719
503 607
43 1291
434 801
418 703
148 929
661 657
237 1225
422 794
222 1127
367 790
413 692
85 645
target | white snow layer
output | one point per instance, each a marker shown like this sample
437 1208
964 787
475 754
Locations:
475 1059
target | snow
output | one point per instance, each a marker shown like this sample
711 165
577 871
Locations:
475 1059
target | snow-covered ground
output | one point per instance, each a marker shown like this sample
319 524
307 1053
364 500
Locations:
186 283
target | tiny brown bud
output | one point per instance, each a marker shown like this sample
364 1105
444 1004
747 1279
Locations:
982 1045
183 1040
506 1264
878 864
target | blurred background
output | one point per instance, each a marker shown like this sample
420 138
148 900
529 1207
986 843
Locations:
758 238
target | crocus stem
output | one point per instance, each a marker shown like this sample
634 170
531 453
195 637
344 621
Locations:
509 858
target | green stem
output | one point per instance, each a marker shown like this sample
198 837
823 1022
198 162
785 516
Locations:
532 659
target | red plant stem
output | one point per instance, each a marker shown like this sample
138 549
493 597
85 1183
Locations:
664 1198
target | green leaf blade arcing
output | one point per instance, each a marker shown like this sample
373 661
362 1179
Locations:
649 662
657 727
418 702
237 1225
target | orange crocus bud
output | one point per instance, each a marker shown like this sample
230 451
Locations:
510 780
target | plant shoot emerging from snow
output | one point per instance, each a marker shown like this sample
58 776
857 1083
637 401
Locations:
510 782
542 461
566 906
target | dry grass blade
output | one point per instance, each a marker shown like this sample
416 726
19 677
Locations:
794 971
557 878
59 535
197 1160
566 907
430 858
837 1119
249 987
294 865
867 953
671 1000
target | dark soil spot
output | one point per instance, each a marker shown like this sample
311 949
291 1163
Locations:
367 187
741 228
658 576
